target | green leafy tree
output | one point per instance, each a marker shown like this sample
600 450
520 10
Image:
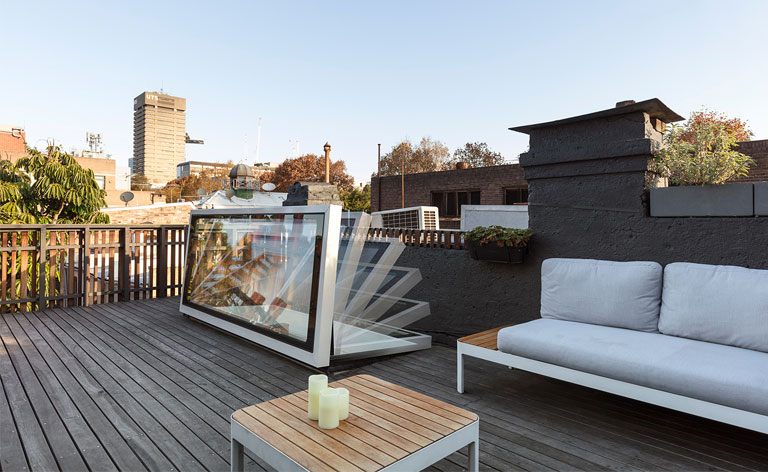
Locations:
702 151
478 155
427 156
357 199
49 188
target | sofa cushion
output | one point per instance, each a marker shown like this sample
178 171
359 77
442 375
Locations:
719 304
710 372
619 294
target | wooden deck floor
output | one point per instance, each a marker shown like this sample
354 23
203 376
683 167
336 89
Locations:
137 386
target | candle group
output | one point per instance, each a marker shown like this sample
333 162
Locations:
327 405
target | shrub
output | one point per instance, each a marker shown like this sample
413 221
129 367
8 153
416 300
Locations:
701 152
500 235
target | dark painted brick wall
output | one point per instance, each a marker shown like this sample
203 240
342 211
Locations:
587 200
757 150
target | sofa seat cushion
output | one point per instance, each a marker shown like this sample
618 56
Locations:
608 293
719 304
710 372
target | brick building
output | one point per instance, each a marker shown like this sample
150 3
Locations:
448 190
13 142
757 150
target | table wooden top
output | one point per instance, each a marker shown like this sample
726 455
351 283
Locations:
386 423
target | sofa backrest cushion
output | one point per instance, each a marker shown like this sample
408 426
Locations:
607 293
719 304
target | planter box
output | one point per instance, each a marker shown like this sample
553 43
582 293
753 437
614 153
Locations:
493 253
703 200
761 198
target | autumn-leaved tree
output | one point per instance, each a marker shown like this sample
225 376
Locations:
427 156
140 182
309 168
356 199
49 188
478 155
734 127
187 187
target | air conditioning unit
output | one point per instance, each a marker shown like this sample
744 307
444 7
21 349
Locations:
420 217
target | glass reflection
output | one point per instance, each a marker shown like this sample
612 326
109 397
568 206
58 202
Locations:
260 270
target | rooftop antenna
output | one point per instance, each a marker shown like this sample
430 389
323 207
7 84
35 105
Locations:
245 148
161 87
258 142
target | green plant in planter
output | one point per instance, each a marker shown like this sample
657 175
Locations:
702 151
499 235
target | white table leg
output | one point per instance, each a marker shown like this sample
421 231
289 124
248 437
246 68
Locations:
474 456
459 369
236 457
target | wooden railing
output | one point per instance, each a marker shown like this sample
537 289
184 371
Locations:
445 239
47 266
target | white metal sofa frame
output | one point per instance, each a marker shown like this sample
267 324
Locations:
484 346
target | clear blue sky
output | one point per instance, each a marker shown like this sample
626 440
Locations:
361 73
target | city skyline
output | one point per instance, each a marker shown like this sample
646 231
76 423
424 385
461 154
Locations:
358 75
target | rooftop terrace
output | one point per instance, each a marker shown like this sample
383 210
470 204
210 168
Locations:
136 386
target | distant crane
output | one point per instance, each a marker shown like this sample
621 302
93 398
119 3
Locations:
258 142
189 140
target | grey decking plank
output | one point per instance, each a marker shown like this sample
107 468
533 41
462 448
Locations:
176 418
129 430
594 404
114 444
123 395
251 387
206 401
536 423
57 437
284 374
12 455
592 413
85 441
161 383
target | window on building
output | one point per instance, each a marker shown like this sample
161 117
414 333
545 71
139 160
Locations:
515 195
449 203
100 181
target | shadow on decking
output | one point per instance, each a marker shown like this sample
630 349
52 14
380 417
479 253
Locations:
136 386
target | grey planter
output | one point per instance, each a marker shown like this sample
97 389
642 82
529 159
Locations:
761 198
703 200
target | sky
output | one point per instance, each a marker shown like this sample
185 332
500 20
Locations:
356 74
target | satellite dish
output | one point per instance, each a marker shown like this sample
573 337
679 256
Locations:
126 197
201 192
268 187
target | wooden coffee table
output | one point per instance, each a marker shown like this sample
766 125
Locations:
389 428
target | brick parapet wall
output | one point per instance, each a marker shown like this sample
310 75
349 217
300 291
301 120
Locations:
490 181
166 214
757 150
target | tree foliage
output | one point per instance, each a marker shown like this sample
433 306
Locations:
140 182
703 151
357 199
309 168
49 188
478 155
187 187
427 156
735 127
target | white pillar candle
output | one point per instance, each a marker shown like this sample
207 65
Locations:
317 383
328 413
343 403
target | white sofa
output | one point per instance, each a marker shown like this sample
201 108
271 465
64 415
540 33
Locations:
691 337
